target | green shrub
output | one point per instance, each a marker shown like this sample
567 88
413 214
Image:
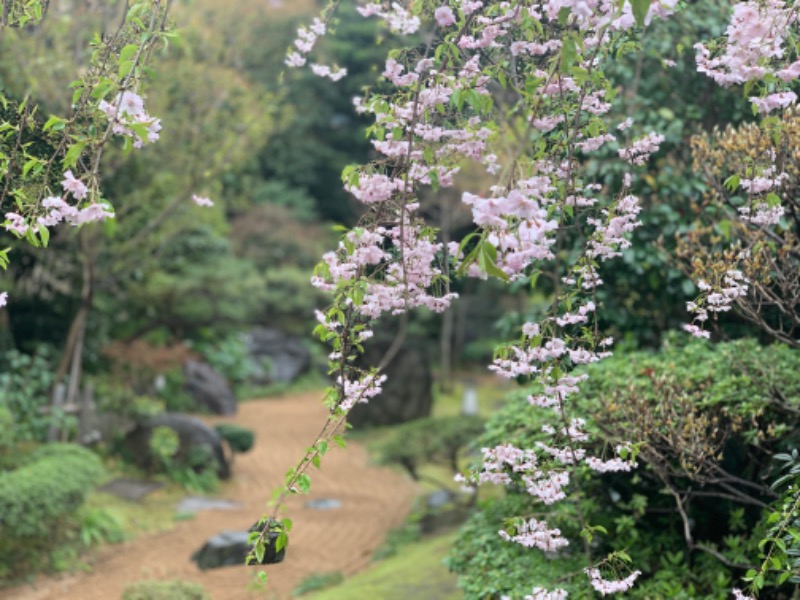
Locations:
99 525
6 428
53 483
709 419
38 502
228 355
433 439
164 444
25 384
316 582
239 438
165 590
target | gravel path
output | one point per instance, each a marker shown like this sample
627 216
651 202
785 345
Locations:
374 500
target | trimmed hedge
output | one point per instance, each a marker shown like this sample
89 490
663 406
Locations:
238 438
52 483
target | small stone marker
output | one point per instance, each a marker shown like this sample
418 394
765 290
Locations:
469 406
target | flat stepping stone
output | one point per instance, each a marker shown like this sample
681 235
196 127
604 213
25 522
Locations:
324 504
130 489
193 504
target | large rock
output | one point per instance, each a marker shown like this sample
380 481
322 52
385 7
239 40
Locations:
193 434
407 393
277 356
231 548
209 389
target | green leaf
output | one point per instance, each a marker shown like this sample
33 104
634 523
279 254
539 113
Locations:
340 441
281 541
44 234
732 183
322 445
640 8
73 154
260 550
569 53
621 554
128 52
54 122
304 483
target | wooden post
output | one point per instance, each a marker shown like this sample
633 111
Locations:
59 395
86 415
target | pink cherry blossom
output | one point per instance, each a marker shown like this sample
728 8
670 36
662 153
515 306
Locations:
74 186
444 16
202 200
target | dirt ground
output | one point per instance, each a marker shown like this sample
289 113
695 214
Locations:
374 500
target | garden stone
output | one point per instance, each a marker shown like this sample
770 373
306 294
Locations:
192 432
440 498
277 356
194 504
226 548
231 548
208 388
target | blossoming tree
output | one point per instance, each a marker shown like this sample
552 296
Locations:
517 88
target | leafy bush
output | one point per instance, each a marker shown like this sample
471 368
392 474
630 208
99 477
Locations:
192 468
709 421
54 482
38 502
430 440
228 355
165 590
317 581
6 428
239 438
25 383
98 525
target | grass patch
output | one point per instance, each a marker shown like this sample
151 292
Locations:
491 393
416 571
155 513
316 582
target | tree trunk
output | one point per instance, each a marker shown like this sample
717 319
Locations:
72 357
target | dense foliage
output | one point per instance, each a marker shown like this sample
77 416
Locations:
38 501
709 422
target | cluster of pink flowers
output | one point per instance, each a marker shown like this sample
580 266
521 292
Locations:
753 50
639 152
397 17
536 534
202 200
359 390
605 586
755 37
716 299
126 111
609 237
304 44
57 210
